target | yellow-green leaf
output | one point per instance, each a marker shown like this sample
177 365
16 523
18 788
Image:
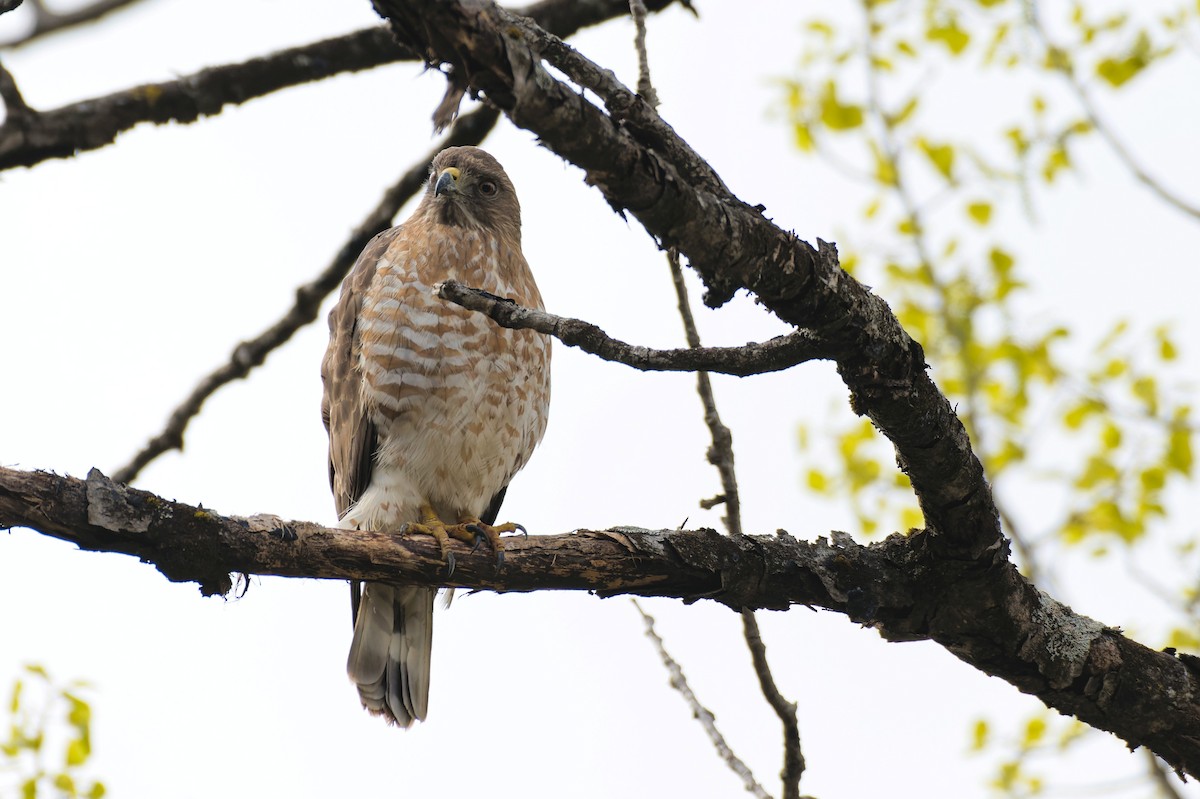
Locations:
1146 390
1179 451
1111 436
1119 71
838 115
951 35
980 211
1001 261
77 752
979 735
817 480
885 170
1035 730
1057 160
1183 639
911 518
904 113
940 155
803 137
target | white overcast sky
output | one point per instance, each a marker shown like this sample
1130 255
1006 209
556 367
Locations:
129 272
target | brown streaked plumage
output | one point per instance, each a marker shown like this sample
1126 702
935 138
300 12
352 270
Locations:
431 409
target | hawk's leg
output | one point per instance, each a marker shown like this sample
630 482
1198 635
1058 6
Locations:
469 529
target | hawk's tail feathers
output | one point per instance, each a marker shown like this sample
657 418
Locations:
389 654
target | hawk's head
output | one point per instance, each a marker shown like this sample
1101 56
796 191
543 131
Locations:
469 188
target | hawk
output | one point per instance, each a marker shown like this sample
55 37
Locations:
431 409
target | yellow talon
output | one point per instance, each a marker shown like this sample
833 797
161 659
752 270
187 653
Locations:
469 529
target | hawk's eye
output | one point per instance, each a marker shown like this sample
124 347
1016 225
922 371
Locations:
488 189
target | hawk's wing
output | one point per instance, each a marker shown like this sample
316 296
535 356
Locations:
352 436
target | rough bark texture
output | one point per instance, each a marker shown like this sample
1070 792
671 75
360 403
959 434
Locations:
954 582
30 136
730 244
987 615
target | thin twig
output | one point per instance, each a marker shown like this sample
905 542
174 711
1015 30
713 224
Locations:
701 713
793 757
720 454
46 21
16 110
637 10
1160 773
781 352
469 129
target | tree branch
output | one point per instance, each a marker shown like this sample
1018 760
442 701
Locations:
702 714
16 111
781 352
732 246
95 123
720 455
46 21
1042 647
469 129
720 452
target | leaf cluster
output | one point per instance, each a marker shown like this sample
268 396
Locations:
49 740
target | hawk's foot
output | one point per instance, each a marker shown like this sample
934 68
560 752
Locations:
469 529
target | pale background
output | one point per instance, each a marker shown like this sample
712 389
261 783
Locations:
127 273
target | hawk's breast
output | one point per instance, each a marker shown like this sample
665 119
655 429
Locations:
459 402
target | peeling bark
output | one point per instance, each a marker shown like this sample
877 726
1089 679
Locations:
897 586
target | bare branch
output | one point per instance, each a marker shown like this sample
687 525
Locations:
732 246
95 123
793 757
16 112
702 714
637 10
720 454
469 129
46 21
781 352
1161 775
1069 661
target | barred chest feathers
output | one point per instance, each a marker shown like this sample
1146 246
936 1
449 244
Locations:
459 402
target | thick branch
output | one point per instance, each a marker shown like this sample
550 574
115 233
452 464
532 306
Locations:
470 129
1069 661
781 352
95 123
645 169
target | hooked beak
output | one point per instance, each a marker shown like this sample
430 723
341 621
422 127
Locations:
447 181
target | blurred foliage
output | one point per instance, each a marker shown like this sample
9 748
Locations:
49 740
958 117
